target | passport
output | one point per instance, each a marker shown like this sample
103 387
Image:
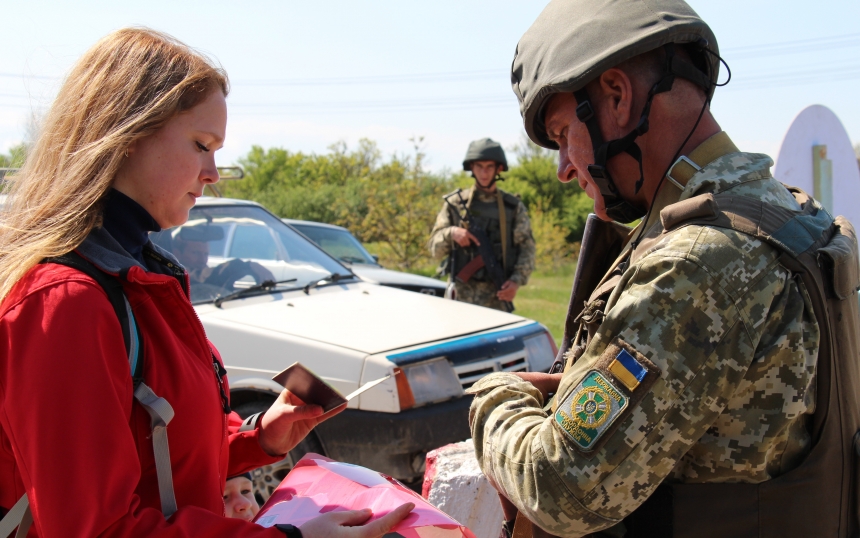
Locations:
311 388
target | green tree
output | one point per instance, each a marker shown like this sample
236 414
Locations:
15 158
402 201
307 187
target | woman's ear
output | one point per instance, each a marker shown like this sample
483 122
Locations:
131 148
616 91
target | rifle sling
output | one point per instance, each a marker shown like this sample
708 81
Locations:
503 226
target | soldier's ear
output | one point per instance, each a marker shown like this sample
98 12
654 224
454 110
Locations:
616 99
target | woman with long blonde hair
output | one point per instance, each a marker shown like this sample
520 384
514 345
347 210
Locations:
126 148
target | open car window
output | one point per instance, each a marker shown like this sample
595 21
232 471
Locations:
339 243
231 247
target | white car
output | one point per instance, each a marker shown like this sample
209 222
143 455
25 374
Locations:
340 243
349 332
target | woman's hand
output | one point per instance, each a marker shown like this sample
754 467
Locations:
349 524
288 421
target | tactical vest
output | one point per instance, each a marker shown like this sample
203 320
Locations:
819 497
486 215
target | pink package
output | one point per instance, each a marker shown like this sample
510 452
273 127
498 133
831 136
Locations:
317 485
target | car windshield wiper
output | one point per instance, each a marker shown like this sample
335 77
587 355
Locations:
333 277
266 285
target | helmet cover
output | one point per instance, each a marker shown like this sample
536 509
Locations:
573 41
485 149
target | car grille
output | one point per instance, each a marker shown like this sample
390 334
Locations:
471 372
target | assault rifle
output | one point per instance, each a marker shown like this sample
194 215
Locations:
486 258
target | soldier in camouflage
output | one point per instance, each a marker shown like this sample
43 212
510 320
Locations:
451 240
694 359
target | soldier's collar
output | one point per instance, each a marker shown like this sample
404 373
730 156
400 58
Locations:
483 195
711 149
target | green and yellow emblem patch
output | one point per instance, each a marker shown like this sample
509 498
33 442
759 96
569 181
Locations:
590 409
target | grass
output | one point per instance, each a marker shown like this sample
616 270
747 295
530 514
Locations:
545 299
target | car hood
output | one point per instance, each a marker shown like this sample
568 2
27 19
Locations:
381 275
358 316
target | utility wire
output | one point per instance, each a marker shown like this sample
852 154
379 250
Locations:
792 78
792 47
732 53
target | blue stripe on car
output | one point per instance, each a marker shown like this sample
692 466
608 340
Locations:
471 348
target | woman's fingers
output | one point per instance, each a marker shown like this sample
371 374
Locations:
385 523
305 412
348 524
351 518
334 524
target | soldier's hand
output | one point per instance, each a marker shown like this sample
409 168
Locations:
545 383
463 237
508 291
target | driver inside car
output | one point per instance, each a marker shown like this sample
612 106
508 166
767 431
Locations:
191 248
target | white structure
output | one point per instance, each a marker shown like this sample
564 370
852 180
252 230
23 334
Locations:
454 483
817 156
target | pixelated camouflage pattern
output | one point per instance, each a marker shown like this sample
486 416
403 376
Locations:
483 293
736 342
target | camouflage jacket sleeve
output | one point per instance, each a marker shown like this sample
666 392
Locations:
666 384
440 236
523 239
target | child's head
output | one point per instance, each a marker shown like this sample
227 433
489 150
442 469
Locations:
239 500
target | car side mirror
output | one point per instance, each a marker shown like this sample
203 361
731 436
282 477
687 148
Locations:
375 258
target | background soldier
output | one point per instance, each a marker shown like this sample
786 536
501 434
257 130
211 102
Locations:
711 370
504 220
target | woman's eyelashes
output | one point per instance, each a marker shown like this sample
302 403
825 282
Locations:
201 147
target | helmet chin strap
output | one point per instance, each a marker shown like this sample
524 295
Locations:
497 177
617 208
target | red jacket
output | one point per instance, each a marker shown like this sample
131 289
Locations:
70 436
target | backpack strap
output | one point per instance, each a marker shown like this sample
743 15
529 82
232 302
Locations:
19 516
160 411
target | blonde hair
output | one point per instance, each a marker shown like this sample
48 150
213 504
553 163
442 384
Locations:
126 87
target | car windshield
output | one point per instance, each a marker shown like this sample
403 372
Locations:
226 248
338 242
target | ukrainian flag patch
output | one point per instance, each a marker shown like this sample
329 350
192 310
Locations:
590 409
627 370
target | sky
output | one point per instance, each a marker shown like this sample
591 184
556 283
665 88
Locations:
306 75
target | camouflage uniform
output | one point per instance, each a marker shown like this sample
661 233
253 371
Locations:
725 344
484 293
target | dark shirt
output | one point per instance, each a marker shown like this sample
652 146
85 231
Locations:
129 223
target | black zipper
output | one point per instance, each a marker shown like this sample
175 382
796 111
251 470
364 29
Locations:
220 372
178 271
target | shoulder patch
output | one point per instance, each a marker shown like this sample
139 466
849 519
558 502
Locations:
592 410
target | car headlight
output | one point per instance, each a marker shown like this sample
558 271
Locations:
541 351
427 382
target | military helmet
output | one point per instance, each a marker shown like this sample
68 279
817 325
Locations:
573 41
485 149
